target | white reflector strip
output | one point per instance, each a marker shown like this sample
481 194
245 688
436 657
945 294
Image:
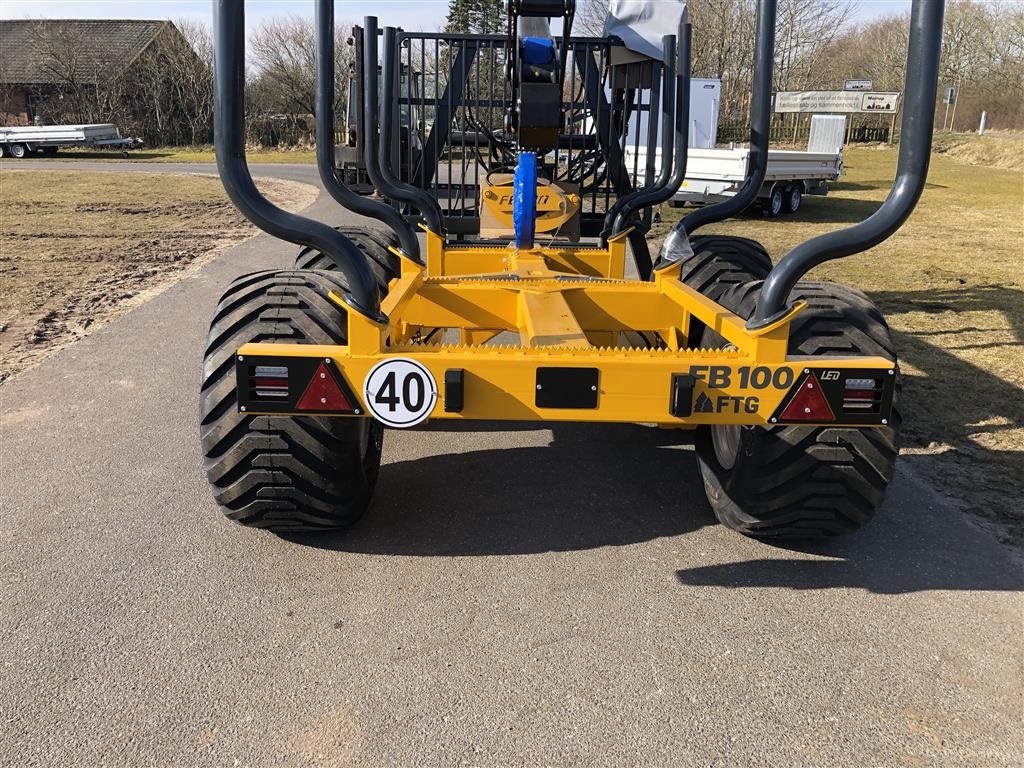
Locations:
272 371
861 384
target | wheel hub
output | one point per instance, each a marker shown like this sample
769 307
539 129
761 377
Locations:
726 442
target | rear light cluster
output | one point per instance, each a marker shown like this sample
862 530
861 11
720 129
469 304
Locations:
823 396
862 395
269 381
293 385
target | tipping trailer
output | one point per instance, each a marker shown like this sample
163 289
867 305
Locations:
21 141
523 287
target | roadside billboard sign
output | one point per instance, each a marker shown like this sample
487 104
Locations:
837 101
858 85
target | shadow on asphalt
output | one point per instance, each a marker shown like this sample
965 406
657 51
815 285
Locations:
613 485
593 486
904 549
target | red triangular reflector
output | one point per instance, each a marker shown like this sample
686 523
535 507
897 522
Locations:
808 404
324 394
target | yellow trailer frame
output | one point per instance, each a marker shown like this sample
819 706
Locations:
570 307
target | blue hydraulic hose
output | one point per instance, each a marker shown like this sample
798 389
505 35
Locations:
524 200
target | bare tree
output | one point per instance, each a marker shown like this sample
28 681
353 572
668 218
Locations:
283 81
804 30
982 57
284 54
84 85
193 84
168 89
590 18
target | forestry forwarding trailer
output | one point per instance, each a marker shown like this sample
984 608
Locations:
791 385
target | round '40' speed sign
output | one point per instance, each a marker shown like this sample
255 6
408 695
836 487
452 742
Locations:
400 392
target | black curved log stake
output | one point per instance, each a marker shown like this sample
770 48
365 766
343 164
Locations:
911 172
336 188
760 123
229 141
374 147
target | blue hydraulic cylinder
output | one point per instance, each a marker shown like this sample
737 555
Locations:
524 200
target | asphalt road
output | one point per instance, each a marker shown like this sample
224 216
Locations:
516 596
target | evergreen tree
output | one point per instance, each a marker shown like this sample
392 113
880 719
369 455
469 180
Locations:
459 15
487 17
476 16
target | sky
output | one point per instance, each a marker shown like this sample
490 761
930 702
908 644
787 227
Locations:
411 15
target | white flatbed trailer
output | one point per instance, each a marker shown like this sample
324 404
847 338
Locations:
24 140
713 175
716 174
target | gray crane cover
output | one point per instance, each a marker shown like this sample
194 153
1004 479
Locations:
641 24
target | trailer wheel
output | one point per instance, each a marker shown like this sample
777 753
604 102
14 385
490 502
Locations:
303 473
794 197
18 151
804 482
773 205
720 262
372 242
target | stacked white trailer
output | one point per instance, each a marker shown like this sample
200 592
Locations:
24 140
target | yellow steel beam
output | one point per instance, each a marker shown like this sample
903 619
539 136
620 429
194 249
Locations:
478 260
633 385
492 304
569 306
545 320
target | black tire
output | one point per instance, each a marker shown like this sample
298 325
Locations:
720 262
303 473
374 245
772 206
17 151
795 481
794 197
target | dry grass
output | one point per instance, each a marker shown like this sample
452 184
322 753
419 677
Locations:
951 284
77 249
1001 149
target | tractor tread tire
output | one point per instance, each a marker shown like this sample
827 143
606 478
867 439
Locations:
720 262
303 473
374 244
808 482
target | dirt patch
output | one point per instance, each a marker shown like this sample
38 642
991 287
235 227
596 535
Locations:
951 287
79 249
